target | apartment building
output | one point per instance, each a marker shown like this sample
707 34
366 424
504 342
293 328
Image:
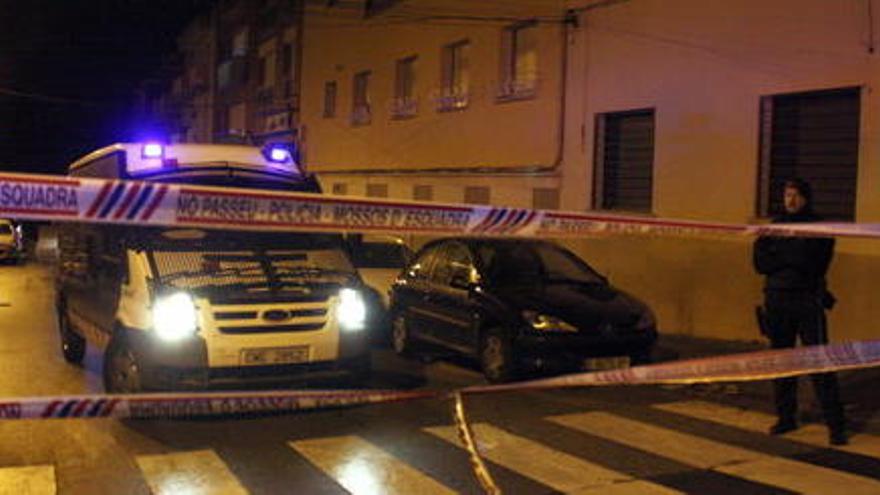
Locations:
401 101
688 109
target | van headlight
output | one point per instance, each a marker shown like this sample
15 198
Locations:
351 312
544 323
174 316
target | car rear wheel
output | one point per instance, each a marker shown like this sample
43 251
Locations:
73 346
122 373
401 339
497 357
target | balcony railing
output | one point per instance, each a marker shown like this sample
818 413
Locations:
361 115
404 107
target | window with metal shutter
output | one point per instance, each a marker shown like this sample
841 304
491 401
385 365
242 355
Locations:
624 162
377 190
545 198
813 136
477 195
423 193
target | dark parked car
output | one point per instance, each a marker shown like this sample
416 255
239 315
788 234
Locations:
515 305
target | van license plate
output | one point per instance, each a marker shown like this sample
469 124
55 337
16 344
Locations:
606 363
276 355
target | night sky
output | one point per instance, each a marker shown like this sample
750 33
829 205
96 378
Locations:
80 62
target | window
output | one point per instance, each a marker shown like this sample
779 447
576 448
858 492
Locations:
624 161
340 189
421 267
519 60
453 264
287 59
423 193
112 165
267 70
545 198
377 190
329 99
814 136
476 195
237 119
373 7
404 88
360 111
240 43
456 76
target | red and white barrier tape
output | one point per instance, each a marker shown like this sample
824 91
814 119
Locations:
752 366
46 197
166 406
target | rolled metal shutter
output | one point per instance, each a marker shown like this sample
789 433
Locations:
815 136
625 161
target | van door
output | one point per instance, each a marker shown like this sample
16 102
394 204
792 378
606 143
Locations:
90 274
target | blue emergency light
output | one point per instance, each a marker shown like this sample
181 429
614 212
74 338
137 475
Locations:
277 153
152 150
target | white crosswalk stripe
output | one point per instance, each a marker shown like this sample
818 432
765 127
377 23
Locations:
362 468
558 470
703 453
28 480
755 421
201 472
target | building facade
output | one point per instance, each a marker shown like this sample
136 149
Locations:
693 109
236 75
464 109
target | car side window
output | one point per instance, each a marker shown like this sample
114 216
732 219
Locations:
454 267
421 268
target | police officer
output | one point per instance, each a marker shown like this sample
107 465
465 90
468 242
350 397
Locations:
795 299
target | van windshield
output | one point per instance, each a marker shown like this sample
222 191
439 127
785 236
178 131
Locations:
248 261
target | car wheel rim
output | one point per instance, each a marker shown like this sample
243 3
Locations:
399 334
125 374
493 356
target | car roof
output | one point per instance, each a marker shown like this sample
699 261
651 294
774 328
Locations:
474 242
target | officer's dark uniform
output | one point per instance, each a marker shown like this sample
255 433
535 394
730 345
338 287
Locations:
795 300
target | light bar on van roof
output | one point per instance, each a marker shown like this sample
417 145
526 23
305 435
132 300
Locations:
152 150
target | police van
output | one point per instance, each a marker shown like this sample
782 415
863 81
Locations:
183 308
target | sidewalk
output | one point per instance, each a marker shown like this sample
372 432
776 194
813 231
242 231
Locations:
857 388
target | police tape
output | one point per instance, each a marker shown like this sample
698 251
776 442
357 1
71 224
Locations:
46 197
741 367
466 435
760 365
181 405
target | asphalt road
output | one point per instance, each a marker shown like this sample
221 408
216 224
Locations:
633 440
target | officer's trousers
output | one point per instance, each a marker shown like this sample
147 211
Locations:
799 314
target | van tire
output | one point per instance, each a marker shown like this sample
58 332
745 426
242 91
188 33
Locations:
497 356
73 346
121 371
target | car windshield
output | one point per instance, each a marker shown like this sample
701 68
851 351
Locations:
379 255
518 263
5 229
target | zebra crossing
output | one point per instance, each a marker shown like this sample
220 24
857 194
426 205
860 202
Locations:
360 464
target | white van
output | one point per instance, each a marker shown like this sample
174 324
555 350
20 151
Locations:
191 308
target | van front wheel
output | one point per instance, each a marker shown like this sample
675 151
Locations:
122 373
73 346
